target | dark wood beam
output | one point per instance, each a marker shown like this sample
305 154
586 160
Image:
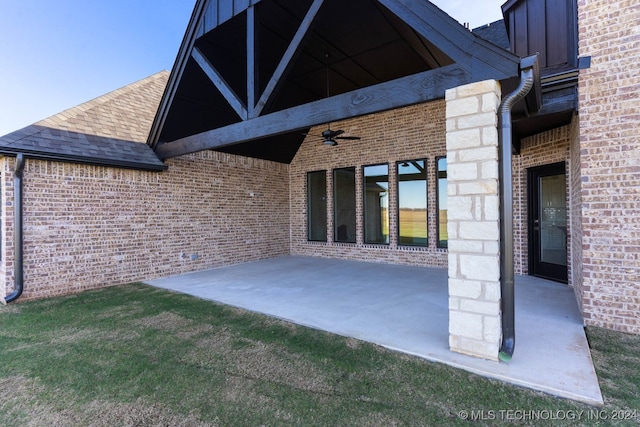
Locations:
288 56
477 57
414 89
452 39
216 78
251 61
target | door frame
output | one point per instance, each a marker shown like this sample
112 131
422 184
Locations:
537 268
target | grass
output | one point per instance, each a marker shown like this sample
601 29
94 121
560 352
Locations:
138 356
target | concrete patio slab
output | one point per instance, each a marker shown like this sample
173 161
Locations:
406 309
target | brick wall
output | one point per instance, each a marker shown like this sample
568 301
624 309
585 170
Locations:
610 162
87 226
6 221
416 132
575 214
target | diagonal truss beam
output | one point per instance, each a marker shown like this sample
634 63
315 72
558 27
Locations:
217 79
287 57
409 90
474 55
251 61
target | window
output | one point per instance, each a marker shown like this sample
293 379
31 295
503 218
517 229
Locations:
344 205
441 166
412 203
376 204
317 206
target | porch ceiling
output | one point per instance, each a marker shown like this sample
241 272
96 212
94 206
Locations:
267 60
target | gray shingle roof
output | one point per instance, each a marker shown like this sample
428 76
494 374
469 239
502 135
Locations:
495 32
109 130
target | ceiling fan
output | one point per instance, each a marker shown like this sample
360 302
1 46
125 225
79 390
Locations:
329 136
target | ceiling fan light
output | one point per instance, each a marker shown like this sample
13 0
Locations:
330 142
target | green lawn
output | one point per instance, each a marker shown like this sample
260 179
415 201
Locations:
138 356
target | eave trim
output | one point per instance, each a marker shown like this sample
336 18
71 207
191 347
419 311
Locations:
39 155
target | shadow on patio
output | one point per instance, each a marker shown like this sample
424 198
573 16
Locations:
406 309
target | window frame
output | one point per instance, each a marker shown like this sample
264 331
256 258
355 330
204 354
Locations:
364 207
425 161
439 241
335 205
326 220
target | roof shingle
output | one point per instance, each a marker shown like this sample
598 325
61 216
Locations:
495 32
109 130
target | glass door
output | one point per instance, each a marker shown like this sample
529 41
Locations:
548 222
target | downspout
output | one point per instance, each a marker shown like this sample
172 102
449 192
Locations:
18 277
506 213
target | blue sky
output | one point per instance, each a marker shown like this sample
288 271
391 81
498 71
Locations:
56 54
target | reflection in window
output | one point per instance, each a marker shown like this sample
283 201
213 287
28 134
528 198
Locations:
441 163
412 203
344 205
553 219
317 206
376 204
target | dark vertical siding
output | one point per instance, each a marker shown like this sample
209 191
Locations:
557 51
220 11
210 17
536 35
225 10
521 30
545 27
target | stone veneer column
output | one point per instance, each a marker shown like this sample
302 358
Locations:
473 219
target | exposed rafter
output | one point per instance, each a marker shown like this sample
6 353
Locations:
427 28
409 90
473 54
217 79
288 55
251 61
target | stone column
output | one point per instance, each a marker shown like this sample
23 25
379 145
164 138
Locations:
473 219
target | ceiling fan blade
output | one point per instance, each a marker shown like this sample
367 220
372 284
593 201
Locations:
348 137
333 133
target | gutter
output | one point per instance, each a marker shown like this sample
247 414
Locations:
18 271
528 68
